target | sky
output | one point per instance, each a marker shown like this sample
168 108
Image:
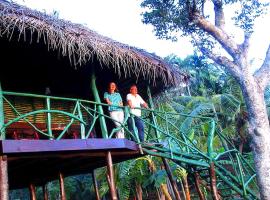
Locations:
121 21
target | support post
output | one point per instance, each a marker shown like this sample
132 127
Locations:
110 176
197 185
32 191
172 181
95 185
81 117
62 186
45 192
213 182
49 118
3 178
153 117
102 122
2 121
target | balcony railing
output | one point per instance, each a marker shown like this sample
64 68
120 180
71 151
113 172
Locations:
171 135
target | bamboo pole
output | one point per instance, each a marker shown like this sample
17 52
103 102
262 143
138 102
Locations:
2 121
186 187
45 192
102 122
213 181
139 192
95 185
172 181
49 118
3 178
153 117
110 176
62 186
32 191
197 185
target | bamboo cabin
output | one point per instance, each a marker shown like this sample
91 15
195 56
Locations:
52 77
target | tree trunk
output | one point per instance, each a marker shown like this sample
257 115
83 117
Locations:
163 187
213 181
139 191
3 178
45 192
165 191
95 185
110 176
32 191
186 187
172 181
259 130
197 185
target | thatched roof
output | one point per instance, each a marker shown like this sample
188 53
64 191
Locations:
81 44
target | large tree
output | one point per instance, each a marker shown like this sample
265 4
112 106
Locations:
210 36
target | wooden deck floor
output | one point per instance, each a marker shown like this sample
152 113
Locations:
39 161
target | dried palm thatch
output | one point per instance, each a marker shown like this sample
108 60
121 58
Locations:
81 44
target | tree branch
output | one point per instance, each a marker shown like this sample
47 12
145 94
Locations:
219 14
245 45
225 62
263 74
225 40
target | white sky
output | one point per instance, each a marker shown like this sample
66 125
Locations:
121 21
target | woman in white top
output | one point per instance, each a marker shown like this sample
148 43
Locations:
134 101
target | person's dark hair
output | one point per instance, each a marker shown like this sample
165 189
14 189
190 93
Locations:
116 88
134 85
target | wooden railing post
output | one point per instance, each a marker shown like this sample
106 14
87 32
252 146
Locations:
153 117
45 192
3 178
81 117
32 191
103 126
172 181
2 119
95 185
110 176
49 118
62 186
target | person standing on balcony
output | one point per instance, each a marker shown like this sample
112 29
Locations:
134 101
114 99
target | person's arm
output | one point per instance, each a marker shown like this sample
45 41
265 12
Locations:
129 102
106 98
143 103
120 100
108 101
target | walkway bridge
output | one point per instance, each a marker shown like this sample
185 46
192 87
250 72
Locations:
45 135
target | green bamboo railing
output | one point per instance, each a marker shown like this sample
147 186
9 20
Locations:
163 136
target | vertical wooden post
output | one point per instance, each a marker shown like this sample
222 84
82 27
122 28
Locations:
110 176
32 191
62 186
102 122
49 118
2 121
213 182
81 117
172 181
153 117
95 185
197 185
45 192
3 178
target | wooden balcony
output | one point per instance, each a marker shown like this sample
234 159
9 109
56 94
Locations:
40 161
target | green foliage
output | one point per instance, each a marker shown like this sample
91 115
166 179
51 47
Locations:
156 179
179 17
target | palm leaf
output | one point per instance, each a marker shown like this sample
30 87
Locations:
200 110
